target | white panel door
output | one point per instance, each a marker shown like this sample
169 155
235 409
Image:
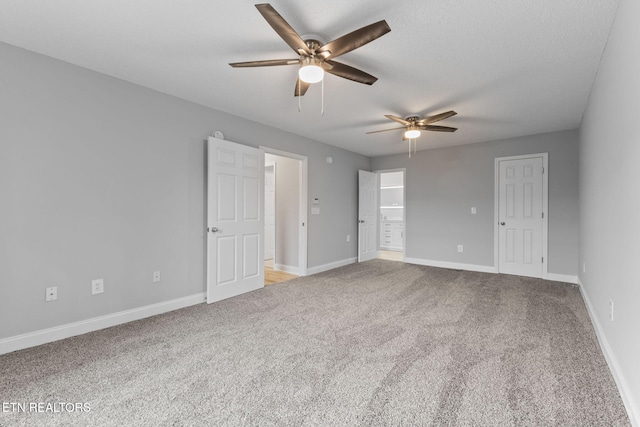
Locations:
235 219
367 215
520 216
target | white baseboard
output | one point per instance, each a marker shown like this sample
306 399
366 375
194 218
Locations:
44 336
632 409
566 278
331 266
452 265
287 269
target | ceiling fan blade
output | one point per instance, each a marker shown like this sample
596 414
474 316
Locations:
436 118
398 119
385 130
301 87
282 27
266 63
438 128
354 40
345 71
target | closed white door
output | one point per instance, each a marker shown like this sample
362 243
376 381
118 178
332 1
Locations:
367 215
520 228
235 255
269 211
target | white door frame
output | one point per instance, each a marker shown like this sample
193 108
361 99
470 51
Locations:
545 210
404 201
266 165
303 225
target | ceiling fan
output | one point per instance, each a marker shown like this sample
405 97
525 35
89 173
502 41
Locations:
413 125
314 57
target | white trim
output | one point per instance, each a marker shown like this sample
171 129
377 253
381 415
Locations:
331 265
287 269
566 278
44 336
633 411
303 214
545 209
451 265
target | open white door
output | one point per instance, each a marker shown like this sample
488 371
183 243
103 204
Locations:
235 219
367 215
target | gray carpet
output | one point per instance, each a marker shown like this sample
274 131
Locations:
379 343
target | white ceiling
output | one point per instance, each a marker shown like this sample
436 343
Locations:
508 67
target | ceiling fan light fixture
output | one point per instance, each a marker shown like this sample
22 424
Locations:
311 73
412 134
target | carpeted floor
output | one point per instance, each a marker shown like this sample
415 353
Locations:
378 343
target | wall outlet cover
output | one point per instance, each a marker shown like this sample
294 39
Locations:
97 286
51 294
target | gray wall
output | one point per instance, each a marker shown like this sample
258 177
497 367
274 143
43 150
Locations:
443 184
100 178
610 199
287 210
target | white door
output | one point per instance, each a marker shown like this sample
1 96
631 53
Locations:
367 215
235 219
269 211
520 217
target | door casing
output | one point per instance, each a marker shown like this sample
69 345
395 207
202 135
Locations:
303 224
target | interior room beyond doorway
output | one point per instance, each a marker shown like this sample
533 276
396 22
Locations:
392 221
282 218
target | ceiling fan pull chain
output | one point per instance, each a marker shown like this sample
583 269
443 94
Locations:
322 109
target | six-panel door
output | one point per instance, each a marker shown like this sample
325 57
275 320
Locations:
235 257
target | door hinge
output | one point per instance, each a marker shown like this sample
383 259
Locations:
543 260
543 169
542 215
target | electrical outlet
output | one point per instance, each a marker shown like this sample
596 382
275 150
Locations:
348 237
51 294
611 310
97 286
473 211
156 276
460 248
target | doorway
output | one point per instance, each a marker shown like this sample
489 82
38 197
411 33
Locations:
520 228
391 211
285 244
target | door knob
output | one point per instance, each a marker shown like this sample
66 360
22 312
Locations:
502 223
214 229
361 221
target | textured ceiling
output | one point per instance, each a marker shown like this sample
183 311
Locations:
509 68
